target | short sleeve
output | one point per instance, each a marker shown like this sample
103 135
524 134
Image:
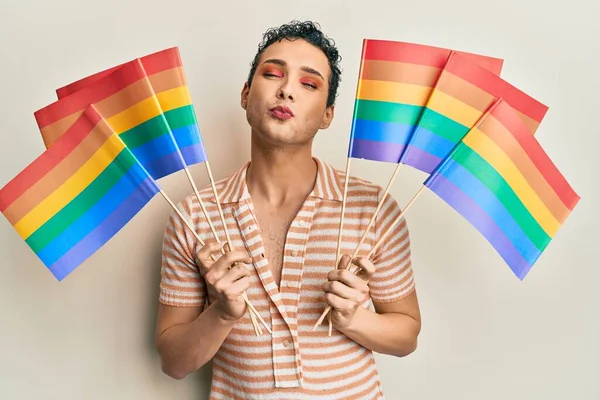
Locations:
181 283
393 278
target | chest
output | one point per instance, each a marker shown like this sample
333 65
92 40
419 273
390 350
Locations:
274 225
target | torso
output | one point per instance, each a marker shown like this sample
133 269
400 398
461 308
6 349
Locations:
274 224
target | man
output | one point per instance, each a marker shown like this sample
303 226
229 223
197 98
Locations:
282 211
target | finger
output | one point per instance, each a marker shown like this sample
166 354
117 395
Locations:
367 268
235 273
346 277
235 290
227 247
220 267
341 290
338 303
203 259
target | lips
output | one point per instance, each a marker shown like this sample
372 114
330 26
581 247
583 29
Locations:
281 113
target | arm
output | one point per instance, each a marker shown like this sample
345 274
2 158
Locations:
187 335
394 326
388 279
393 329
186 339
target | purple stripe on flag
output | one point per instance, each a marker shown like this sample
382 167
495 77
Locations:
420 159
193 154
166 165
105 230
471 211
376 151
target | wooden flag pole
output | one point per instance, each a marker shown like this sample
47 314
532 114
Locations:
396 221
252 310
475 126
213 230
202 243
364 236
210 224
381 239
341 225
374 217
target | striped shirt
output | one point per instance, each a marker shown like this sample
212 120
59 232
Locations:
294 362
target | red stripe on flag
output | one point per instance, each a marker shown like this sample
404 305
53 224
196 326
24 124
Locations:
386 50
153 63
100 90
162 61
511 120
466 69
49 159
88 80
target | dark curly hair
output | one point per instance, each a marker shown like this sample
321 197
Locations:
311 32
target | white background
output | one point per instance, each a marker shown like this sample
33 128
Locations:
486 335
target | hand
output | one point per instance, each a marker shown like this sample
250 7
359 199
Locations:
225 279
345 292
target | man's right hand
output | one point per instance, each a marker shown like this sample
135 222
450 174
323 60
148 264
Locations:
226 279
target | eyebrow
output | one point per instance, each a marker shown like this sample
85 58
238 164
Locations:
284 64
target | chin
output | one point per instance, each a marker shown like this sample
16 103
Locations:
281 138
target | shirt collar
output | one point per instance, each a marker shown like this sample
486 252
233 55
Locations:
328 186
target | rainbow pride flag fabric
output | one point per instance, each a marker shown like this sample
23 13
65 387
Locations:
501 180
125 99
395 82
168 82
77 194
462 94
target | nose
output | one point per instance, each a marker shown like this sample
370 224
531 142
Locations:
285 91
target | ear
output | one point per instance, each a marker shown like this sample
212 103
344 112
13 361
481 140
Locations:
327 117
244 95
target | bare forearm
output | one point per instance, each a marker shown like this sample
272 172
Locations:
187 347
389 333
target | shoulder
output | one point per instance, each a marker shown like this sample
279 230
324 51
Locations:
193 205
358 187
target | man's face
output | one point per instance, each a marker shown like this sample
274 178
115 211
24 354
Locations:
287 102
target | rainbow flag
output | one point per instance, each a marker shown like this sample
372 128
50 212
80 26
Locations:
500 179
464 91
125 99
77 194
168 81
395 81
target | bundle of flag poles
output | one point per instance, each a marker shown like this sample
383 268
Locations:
449 114
109 138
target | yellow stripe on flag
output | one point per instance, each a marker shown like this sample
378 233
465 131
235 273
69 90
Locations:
134 115
501 162
72 187
394 92
454 109
174 98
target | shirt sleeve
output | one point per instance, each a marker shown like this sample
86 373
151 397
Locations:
181 283
393 278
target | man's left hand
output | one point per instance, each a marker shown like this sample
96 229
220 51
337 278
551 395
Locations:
345 292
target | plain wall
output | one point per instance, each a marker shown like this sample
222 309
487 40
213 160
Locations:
486 335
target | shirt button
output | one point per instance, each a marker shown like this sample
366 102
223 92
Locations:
301 222
294 253
286 344
289 284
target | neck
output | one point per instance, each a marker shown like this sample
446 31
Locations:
280 175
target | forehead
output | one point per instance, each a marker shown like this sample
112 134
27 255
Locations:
297 53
